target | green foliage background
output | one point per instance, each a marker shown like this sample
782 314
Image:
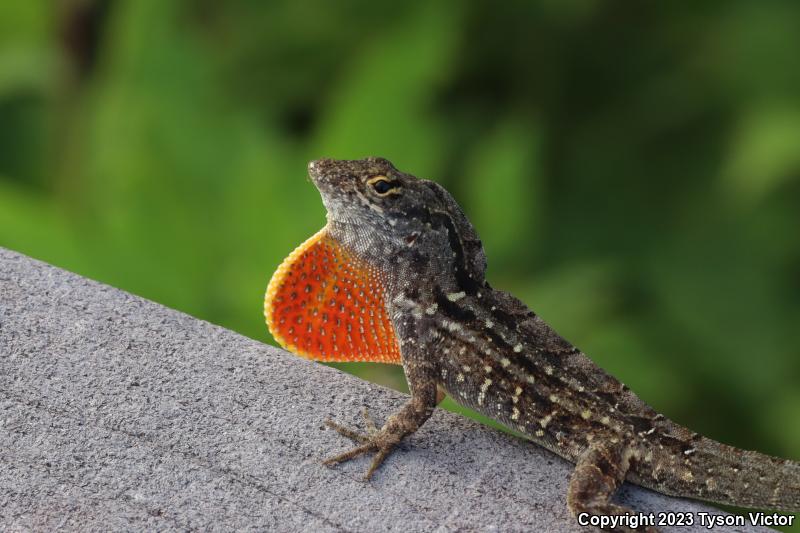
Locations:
632 167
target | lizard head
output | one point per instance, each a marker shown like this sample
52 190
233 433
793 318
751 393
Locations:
392 219
390 237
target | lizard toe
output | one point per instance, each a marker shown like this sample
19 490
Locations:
382 442
351 434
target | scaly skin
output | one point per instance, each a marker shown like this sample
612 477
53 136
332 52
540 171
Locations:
489 352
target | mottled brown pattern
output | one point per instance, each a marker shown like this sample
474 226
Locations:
488 351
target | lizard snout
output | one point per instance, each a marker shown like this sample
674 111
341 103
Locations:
319 170
330 175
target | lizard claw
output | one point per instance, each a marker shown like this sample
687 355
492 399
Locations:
382 442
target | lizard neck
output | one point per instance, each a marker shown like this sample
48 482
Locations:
414 265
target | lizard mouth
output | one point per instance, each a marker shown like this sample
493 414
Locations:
320 172
330 181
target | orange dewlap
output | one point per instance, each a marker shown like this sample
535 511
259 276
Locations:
323 305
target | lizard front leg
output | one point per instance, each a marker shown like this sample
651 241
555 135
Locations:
406 421
598 474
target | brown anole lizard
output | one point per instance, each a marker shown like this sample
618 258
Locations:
397 275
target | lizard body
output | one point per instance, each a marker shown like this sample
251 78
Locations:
397 275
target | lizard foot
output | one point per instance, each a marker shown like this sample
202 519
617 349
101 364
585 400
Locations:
598 474
380 441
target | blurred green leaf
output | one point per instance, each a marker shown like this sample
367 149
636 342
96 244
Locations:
32 225
377 108
765 153
505 170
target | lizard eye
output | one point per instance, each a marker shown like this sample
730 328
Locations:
383 186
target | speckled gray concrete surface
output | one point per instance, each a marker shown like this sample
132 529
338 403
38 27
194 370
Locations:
117 413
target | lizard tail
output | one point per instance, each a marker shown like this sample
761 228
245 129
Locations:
719 473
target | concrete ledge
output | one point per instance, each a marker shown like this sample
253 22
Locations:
117 413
